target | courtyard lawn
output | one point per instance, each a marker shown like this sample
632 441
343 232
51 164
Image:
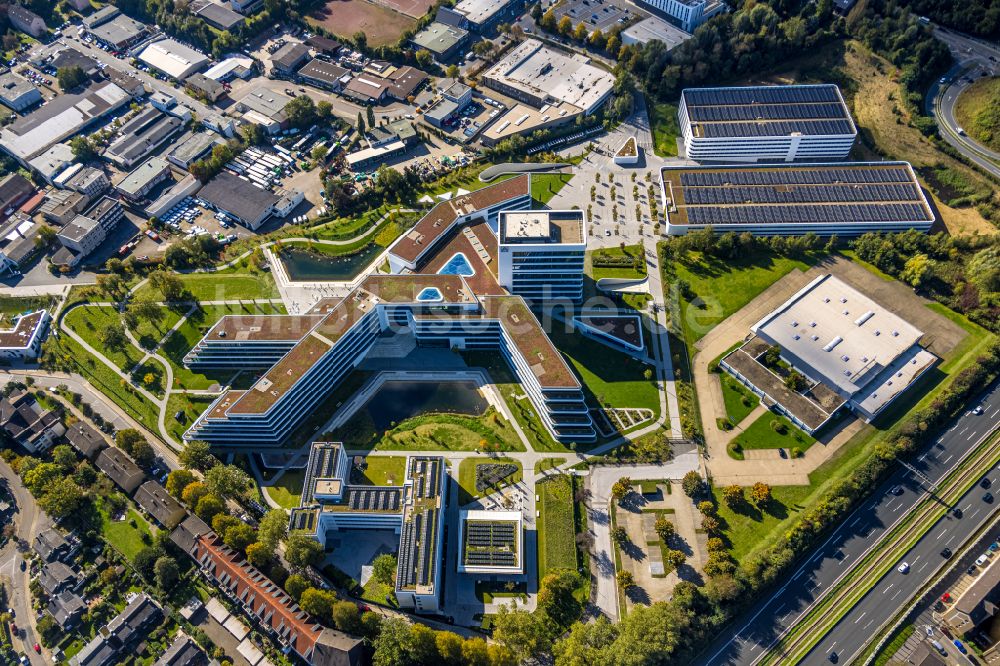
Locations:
511 390
760 435
633 272
451 432
379 593
287 490
556 525
221 287
381 471
740 400
126 539
609 376
467 477
726 285
544 186
663 122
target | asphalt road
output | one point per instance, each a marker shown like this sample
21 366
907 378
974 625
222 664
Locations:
896 589
30 521
745 640
973 59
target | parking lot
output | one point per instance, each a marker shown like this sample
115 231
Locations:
596 14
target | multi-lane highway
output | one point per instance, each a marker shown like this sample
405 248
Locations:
746 640
974 58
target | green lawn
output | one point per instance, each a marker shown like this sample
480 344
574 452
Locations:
381 471
442 432
150 334
15 305
88 321
556 525
68 355
548 463
663 122
726 285
760 435
192 406
524 412
610 376
379 593
544 186
126 539
287 491
467 477
634 271
221 287
740 400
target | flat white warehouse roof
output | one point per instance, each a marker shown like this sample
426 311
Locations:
833 332
549 74
173 58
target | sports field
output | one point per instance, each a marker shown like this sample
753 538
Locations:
381 23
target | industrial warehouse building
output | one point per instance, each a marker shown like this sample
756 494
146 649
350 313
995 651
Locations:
766 124
846 199
173 58
850 350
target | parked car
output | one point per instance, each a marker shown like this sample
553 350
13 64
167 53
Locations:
961 648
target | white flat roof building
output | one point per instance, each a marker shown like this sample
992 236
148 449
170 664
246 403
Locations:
538 75
766 124
173 58
834 334
654 29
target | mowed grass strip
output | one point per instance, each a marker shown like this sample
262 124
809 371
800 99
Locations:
740 400
556 538
221 287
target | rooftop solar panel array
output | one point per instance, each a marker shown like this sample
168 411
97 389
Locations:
321 465
789 194
796 176
360 498
807 214
767 111
491 543
799 195
762 95
775 128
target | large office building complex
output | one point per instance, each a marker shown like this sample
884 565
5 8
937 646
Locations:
687 14
447 292
845 199
542 253
850 350
766 124
414 510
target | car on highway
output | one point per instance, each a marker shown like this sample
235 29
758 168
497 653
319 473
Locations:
833 657
946 553
961 132
903 568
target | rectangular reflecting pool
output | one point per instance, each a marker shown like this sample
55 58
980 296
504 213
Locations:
398 400
304 264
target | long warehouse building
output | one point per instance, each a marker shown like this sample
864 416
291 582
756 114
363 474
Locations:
790 200
766 124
